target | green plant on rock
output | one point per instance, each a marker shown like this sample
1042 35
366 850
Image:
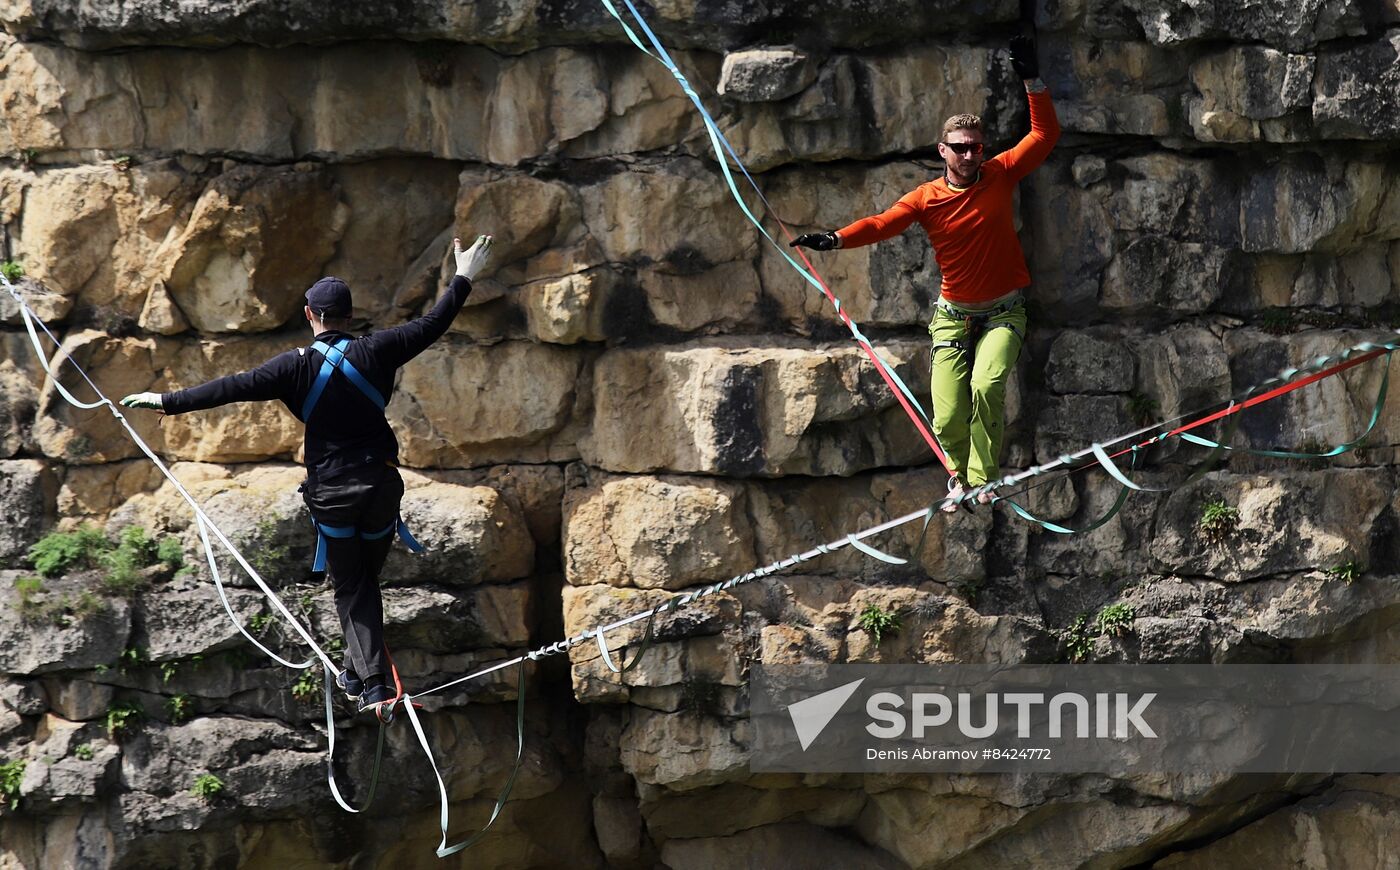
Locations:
28 604
12 270
122 565
258 621
83 752
1079 643
207 786
59 552
1143 409
267 558
1115 620
180 707
878 622
123 717
1347 572
131 658
61 610
306 687
11 775
170 552
1218 520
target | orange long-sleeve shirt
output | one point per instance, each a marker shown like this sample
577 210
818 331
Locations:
973 235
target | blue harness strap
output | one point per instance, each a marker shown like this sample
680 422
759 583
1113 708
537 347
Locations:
318 562
335 359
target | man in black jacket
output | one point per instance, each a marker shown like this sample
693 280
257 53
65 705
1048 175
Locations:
338 388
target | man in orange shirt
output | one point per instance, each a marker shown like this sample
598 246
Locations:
980 320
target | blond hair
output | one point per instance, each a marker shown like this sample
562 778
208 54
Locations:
965 121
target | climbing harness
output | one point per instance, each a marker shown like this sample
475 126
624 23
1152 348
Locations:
975 323
336 360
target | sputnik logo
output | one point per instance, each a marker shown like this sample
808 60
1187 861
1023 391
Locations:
811 715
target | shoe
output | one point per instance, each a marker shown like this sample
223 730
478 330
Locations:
985 497
374 696
350 684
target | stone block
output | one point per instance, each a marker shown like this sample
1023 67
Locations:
760 75
1084 362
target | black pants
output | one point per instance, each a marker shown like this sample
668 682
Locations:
366 499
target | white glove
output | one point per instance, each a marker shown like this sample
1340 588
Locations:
471 261
144 400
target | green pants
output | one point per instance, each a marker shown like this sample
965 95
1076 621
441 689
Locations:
969 388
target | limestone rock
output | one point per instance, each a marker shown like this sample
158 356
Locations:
254 240
1245 85
56 777
772 845
160 314
1081 362
814 126
463 405
1088 101
92 233
665 663
569 309
179 623
48 306
394 211
523 24
1348 825
684 751
471 535
1318 204
761 75
1183 198
1089 169
1332 411
1156 274
57 99
1325 526
631 217
711 301
122 366
1356 97
437 620
1069 424
750 410
44 646
612 534
1294 27
27 491
523 215
1183 369
77 700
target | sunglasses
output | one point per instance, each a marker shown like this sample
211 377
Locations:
961 148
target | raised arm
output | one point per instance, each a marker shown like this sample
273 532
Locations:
396 346
1036 145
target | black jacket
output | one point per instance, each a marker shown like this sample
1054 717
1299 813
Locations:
346 428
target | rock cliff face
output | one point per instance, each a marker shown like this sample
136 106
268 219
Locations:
641 396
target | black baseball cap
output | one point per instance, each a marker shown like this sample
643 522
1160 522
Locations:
329 297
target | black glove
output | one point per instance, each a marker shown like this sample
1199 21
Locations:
1023 58
815 241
